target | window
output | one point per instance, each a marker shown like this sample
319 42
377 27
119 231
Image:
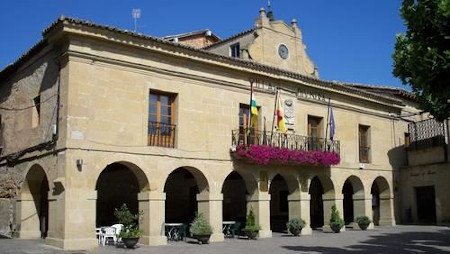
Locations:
36 114
314 133
161 128
248 137
364 144
235 50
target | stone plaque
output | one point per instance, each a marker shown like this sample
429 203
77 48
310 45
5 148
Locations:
289 113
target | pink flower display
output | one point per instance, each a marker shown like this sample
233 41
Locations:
264 155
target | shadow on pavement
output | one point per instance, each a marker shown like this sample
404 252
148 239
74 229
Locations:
404 242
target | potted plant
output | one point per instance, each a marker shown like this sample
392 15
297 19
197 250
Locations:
336 222
295 226
251 228
200 229
130 233
363 222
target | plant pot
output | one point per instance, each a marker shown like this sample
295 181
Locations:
202 239
295 231
130 243
335 228
251 234
363 226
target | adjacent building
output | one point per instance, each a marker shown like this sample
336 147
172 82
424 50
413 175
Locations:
94 116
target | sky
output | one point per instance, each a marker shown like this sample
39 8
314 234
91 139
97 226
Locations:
348 40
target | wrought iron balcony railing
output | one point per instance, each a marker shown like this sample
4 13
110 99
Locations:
426 134
248 137
161 134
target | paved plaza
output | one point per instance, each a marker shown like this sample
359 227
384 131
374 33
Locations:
400 239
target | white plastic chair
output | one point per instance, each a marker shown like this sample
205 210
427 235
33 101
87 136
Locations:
118 228
109 232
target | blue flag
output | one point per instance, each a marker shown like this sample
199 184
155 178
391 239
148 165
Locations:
332 124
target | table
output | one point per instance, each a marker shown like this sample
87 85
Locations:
227 226
172 230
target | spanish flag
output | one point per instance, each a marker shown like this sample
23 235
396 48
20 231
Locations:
279 113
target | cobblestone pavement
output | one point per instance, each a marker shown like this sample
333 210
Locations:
399 239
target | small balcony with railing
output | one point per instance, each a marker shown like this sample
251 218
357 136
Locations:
266 147
427 142
161 134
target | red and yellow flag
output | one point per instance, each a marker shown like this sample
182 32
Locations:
281 121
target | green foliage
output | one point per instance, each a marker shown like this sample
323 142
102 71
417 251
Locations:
422 54
132 232
336 221
250 224
129 221
363 222
295 225
200 226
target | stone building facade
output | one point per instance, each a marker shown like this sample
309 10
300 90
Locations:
94 116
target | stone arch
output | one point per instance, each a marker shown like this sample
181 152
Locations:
33 203
279 205
354 202
184 188
322 193
118 183
249 179
291 181
382 202
235 189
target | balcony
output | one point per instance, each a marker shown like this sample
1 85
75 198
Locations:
161 134
427 142
266 147
426 134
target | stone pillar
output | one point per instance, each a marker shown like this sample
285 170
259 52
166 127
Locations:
152 204
362 206
299 207
386 211
56 214
76 218
328 201
260 203
210 205
28 216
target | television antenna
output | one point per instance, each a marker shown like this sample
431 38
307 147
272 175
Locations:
136 13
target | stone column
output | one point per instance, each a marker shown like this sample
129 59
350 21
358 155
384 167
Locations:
260 203
299 207
210 205
76 217
386 211
328 201
28 216
152 204
362 206
56 214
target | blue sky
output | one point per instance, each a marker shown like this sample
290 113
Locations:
349 40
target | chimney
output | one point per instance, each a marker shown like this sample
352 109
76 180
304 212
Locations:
262 20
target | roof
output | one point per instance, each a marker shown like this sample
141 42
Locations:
205 32
235 36
201 53
387 90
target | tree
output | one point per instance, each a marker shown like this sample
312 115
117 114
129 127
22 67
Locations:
422 54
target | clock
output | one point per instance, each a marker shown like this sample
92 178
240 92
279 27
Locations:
283 51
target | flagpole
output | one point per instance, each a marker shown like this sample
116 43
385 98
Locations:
275 110
250 106
328 121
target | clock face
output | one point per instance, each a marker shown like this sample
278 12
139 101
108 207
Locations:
283 51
